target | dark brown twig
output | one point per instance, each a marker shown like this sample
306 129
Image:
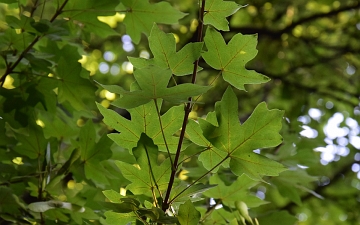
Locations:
188 109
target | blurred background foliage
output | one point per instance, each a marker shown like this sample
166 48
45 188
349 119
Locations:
310 50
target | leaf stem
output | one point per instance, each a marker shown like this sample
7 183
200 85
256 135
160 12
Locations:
162 132
195 181
217 76
188 108
139 217
192 156
40 186
152 177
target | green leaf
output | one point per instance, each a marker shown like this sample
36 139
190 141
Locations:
237 142
9 1
211 156
71 84
66 167
237 191
231 58
188 215
93 153
113 196
216 12
195 134
290 181
121 206
153 82
58 125
41 26
32 145
38 64
163 47
8 203
147 178
87 12
24 23
275 217
141 15
113 218
221 216
10 39
144 119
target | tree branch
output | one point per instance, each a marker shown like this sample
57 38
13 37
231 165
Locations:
188 109
265 31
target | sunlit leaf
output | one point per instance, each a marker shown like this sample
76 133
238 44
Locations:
85 15
153 82
216 12
238 190
231 58
163 47
188 215
237 142
119 218
141 15
144 119
148 177
71 84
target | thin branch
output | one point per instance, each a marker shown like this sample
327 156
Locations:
33 8
10 69
319 16
201 177
315 88
188 109
278 32
152 177
163 135
192 156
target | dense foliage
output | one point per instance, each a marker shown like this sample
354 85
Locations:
164 112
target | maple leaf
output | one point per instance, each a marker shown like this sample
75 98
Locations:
216 12
211 157
163 47
141 15
152 82
237 142
188 215
231 58
238 190
148 177
92 152
86 13
71 84
33 144
144 119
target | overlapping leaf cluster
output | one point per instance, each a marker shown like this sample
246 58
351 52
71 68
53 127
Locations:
55 154
59 154
227 143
